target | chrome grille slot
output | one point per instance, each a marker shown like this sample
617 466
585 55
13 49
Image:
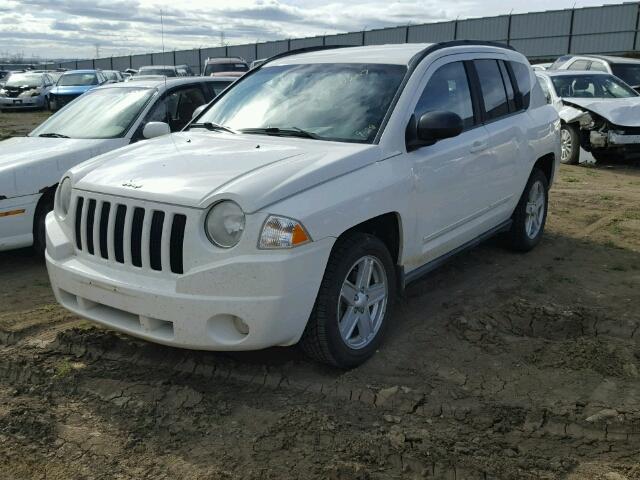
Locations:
91 214
78 222
144 238
104 226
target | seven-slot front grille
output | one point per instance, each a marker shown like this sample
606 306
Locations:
132 235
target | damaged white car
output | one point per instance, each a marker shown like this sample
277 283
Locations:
599 113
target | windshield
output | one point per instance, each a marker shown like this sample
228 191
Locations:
344 102
167 72
591 86
78 79
628 72
103 113
225 67
24 80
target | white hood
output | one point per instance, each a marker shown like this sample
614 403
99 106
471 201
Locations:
624 112
28 164
195 168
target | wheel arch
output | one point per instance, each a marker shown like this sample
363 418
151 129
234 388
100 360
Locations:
547 164
47 194
386 227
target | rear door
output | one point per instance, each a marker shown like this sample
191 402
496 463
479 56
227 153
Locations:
504 116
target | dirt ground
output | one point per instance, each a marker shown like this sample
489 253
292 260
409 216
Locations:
16 123
497 366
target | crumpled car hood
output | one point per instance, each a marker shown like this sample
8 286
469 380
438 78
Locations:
196 168
624 112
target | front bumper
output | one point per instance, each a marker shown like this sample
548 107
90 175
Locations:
58 101
247 303
21 102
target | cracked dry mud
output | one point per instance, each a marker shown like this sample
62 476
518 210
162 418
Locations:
498 366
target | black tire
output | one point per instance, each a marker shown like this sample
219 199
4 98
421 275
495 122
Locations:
39 237
321 339
518 237
574 137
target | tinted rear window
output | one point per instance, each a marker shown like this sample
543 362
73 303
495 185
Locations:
522 76
492 86
225 67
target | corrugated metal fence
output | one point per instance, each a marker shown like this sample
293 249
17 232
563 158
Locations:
611 29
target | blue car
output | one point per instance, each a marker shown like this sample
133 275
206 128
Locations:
72 84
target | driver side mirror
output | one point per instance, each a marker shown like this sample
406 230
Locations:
155 129
198 111
432 127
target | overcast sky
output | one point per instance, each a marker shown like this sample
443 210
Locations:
73 28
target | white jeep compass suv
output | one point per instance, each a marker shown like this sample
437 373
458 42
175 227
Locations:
303 199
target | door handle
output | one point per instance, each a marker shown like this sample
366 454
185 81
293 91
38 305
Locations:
478 146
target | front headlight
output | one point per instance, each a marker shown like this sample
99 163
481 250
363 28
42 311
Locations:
63 197
282 232
3 92
34 92
224 224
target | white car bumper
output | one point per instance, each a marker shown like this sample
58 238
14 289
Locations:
272 293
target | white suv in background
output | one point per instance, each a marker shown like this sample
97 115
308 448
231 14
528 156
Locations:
304 198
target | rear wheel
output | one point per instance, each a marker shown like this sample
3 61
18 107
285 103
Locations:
569 145
354 303
530 215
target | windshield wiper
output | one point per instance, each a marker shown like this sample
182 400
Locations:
53 135
283 132
213 126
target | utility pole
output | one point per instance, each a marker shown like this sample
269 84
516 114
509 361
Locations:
97 45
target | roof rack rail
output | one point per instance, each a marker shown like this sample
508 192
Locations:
317 48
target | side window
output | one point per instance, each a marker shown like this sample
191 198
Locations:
523 85
492 86
511 99
580 65
448 90
598 66
177 107
216 87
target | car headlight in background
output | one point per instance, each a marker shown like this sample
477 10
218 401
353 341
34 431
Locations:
224 224
63 197
282 232
3 92
34 92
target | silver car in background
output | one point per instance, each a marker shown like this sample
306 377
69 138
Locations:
26 90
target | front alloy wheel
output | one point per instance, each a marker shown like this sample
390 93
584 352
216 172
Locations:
354 302
363 302
569 145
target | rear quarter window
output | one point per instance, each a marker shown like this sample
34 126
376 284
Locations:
522 75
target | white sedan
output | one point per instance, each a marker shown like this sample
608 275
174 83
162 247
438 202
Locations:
599 113
103 119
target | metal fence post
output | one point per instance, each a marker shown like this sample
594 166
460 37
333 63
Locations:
573 14
406 34
455 29
635 33
509 30
200 60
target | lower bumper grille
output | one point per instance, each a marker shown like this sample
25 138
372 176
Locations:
62 100
132 235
